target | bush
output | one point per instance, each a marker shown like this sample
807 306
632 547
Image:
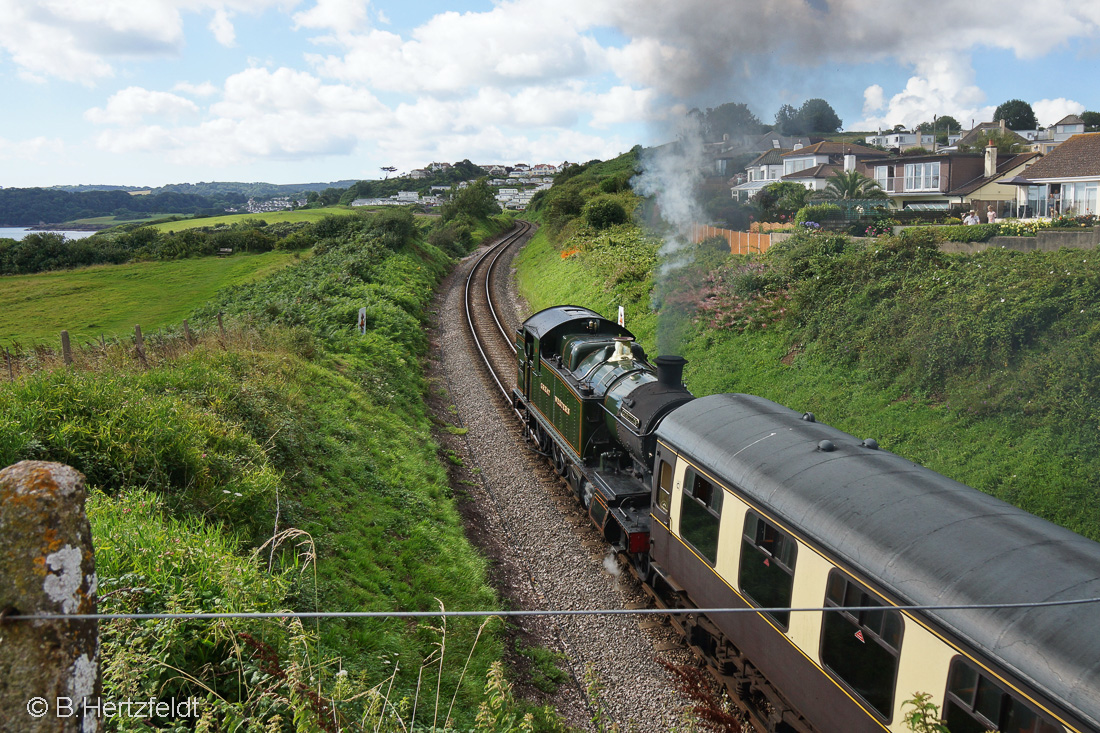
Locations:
962 233
602 213
817 213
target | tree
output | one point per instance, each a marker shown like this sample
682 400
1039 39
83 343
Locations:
786 119
732 118
474 202
1004 143
942 126
781 199
1017 115
852 185
1091 120
817 115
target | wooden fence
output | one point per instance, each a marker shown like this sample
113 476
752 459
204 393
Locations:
741 243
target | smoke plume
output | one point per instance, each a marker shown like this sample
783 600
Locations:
670 175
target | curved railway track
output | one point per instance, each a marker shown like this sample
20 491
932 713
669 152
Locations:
483 317
485 323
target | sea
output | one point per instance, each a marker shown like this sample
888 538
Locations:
17 233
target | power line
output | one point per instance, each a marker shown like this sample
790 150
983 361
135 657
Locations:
542 612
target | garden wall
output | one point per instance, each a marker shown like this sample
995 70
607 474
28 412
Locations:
1046 241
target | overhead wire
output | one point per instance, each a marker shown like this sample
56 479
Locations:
536 612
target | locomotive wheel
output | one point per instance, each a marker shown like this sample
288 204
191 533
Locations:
560 464
543 439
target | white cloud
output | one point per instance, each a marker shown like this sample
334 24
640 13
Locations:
204 89
340 16
514 44
1049 111
133 104
222 27
81 41
31 149
942 85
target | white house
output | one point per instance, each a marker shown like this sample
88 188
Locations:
902 140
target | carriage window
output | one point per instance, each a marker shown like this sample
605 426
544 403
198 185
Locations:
664 486
862 647
700 513
767 566
977 704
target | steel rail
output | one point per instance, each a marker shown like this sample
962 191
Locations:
520 230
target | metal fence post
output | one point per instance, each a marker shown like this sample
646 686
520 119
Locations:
47 566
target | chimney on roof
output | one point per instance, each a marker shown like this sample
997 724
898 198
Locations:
990 159
1002 124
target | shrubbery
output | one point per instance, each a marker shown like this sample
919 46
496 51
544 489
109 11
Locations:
602 213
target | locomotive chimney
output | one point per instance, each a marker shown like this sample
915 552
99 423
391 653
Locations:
670 370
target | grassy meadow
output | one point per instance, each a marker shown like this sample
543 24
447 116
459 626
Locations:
271 217
111 299
287 465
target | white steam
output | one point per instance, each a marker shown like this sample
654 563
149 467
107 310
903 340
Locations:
671 175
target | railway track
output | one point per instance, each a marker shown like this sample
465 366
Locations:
490 330
484 319
545 553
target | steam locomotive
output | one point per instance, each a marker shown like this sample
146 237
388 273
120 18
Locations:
733 501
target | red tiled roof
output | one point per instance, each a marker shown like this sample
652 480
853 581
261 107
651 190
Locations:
1078 157
818 171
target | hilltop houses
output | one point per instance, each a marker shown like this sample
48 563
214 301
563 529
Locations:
516 185
1055 170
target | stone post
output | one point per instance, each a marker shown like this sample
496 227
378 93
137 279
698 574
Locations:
47 566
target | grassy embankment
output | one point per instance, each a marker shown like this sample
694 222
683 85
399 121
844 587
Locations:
111 299
983 367
288 466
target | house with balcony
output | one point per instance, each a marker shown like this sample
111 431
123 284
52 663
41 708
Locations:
923 182
946 180
1064 182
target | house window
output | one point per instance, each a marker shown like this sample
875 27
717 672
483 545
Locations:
861 647
882 176
922 176
767 566
700 515
976 704
664 486
793 166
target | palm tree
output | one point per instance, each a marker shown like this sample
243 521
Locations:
851 185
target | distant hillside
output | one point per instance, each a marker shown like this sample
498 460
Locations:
31 206
215 189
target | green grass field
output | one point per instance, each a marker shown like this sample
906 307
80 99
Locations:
271 217
110 299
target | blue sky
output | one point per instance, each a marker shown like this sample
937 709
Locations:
168 91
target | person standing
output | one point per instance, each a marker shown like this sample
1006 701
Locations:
991 215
